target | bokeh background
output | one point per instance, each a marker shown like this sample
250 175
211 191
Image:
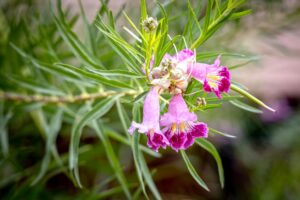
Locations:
262 162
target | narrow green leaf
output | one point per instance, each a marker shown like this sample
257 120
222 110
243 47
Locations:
192 170
100 109
244 106
135 149
4 119
148 178
89 32
118 42
224 98
166 48
118 137
221 133
51 131
205 144
249 96
116 72
214 54
140 97
112 157
36 87
62 72
143 9
95 77
123 117
134 27
73 41
193 15
240 14
4 140
207 16
110 192
249 60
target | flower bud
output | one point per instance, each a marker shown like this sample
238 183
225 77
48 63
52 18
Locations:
159 72
201 101
149 24
168 63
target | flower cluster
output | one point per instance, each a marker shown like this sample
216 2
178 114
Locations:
178 128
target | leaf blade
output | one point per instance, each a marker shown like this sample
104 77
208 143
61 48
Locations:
192 170
205 144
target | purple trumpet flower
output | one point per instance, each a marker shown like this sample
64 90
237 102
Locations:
150 125
181 126
215 78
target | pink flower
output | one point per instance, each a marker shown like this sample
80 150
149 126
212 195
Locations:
181 126
150 125
185 59
215 78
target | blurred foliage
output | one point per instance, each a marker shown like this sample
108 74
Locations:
43 59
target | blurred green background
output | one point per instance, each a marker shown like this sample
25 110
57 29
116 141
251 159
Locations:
262 162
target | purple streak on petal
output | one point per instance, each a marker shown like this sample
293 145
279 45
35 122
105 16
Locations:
217 78
206 86
224 72
167 133
177 141
199 130
218 93
224 85
156 140
189 141
177 112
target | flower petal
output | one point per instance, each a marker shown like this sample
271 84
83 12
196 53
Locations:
177 112
177 141
156 140
184 55
217 61
198 71
199 130
224 85
151 110
224 72
189 141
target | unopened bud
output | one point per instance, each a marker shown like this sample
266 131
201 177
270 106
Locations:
201 101
159 72
149 24
168 63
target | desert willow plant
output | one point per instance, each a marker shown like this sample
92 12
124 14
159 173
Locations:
157 85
